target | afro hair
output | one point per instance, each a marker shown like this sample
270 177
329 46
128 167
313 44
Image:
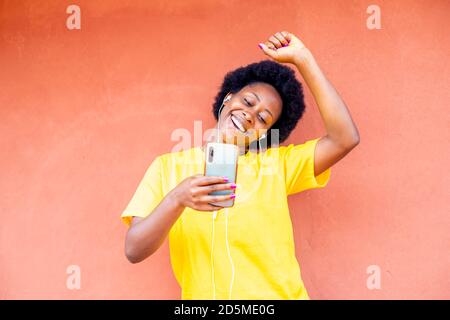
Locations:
282 78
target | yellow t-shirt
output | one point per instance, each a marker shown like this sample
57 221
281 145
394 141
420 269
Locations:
260 235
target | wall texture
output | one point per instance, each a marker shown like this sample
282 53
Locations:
84 112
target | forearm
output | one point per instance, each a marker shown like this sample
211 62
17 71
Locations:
146 236
335 114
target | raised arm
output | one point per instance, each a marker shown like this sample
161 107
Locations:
342 135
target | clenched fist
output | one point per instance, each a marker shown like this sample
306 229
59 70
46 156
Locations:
284 47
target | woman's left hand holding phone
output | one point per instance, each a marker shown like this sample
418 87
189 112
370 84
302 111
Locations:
193 192
146 235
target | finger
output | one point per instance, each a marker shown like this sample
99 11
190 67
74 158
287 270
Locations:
286 35
214 187
208 207
281 38
268 51
207 180
270 45
209 199
275 42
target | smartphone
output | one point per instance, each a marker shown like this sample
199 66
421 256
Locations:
222 160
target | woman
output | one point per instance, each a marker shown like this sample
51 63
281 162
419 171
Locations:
246 251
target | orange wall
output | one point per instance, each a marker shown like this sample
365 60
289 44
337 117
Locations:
84 112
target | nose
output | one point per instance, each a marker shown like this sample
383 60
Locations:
248 116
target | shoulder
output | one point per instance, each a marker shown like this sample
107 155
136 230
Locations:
306 147
286 149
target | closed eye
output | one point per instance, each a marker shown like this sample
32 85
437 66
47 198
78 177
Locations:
261 118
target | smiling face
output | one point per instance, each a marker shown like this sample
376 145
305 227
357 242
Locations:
249 113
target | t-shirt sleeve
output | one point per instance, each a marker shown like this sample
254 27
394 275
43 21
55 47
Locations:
299 168
148 194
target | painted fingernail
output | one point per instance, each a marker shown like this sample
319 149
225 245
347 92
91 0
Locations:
225 179
260 45
233 186
233 196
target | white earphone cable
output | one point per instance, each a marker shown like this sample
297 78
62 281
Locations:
228 252
229 255
218 118
212 256
226 230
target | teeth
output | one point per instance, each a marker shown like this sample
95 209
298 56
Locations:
237 123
